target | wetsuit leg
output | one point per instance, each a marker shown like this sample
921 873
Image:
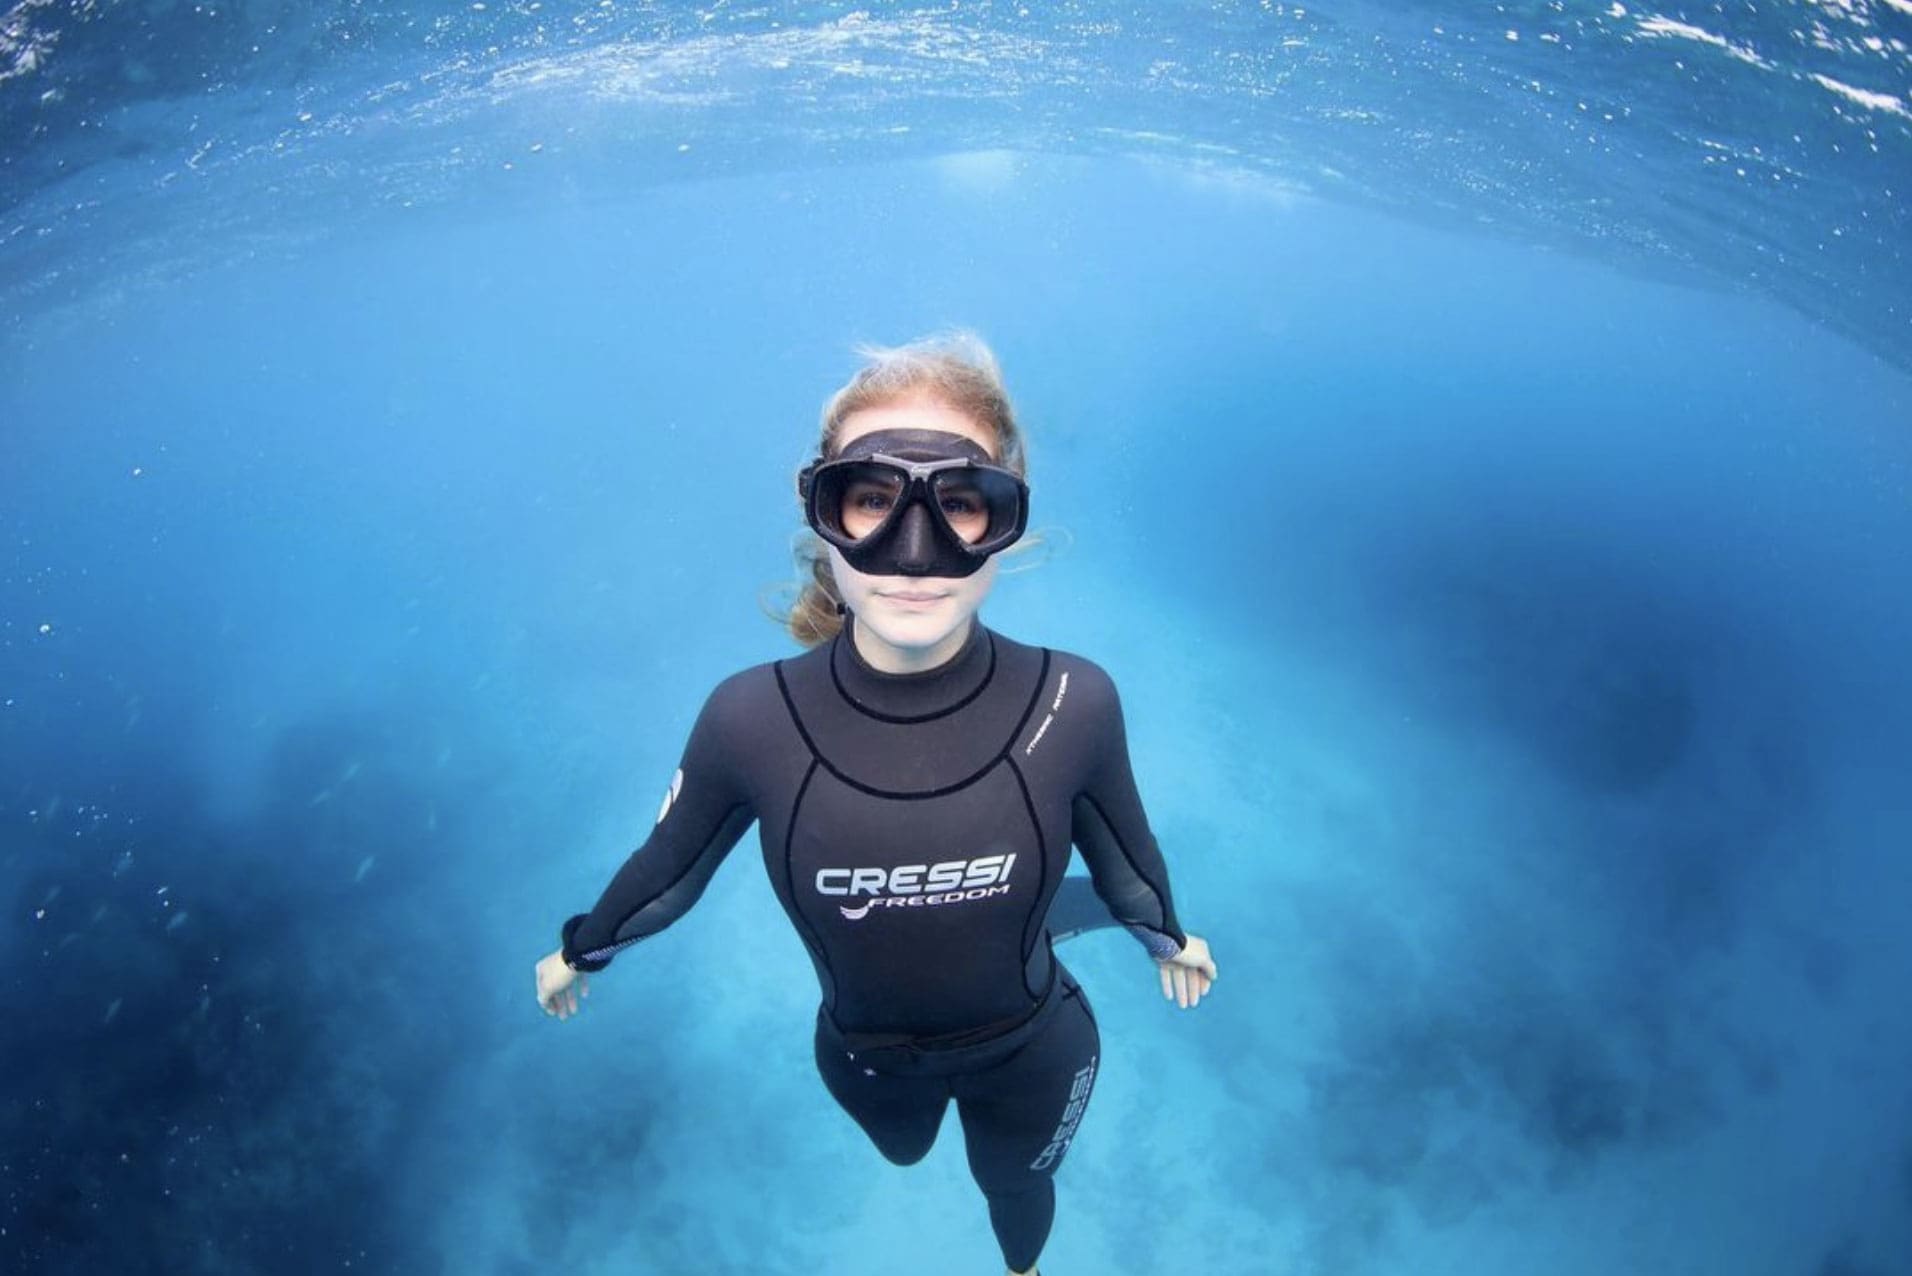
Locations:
1019 1117
900 1114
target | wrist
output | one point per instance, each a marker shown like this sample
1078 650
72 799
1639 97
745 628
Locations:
575 961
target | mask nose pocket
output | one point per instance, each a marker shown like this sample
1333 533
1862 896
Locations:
915 540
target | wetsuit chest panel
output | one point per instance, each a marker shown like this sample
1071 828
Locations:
913 733
913 757
923 906
913 827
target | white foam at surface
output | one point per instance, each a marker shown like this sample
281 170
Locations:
1864 97
1658 27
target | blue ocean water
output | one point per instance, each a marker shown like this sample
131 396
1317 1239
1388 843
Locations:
1477 444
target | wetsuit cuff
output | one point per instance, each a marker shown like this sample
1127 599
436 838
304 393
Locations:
572 957
1161 945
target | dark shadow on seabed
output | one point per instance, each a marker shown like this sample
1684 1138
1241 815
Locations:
228 1030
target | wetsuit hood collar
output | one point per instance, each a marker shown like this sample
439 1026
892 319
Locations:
926 693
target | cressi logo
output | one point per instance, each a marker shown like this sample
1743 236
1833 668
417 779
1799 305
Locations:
918 885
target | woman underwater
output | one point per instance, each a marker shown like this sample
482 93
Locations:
918 779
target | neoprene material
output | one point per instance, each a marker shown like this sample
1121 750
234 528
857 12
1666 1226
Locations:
1019 1115
915 827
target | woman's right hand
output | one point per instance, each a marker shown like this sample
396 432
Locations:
1188 975
559 986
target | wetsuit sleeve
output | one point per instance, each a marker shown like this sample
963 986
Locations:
708 811
1112 832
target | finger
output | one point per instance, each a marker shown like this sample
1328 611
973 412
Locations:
1181 987
1168 988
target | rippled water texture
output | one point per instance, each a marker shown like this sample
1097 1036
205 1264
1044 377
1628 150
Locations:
1761 147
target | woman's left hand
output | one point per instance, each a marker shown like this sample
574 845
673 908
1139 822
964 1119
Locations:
559 986
1188 974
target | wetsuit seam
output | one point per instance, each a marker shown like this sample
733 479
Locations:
818 759
796 719
989 676
790 878
710 840
907 795
1129 859
913 795
1027 947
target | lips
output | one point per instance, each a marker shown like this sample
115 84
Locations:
916 598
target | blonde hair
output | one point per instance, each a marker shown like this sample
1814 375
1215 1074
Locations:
954 368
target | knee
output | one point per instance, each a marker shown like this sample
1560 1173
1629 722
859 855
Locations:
907 1145
905 1153
1030 1188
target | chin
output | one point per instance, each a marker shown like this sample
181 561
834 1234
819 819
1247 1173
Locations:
912 629
901 627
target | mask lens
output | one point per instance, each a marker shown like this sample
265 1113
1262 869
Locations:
854 497
981 506
964 508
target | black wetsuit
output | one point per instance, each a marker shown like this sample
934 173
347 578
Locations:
915 828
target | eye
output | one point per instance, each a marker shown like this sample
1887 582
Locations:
963 500
866 503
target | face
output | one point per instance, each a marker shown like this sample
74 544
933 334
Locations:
912 611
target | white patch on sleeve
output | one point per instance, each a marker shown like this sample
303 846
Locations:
670 794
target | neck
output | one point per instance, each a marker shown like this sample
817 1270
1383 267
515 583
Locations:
888 658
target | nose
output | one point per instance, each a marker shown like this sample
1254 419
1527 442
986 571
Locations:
915 541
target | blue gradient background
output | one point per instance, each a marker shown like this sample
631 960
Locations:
1512 646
